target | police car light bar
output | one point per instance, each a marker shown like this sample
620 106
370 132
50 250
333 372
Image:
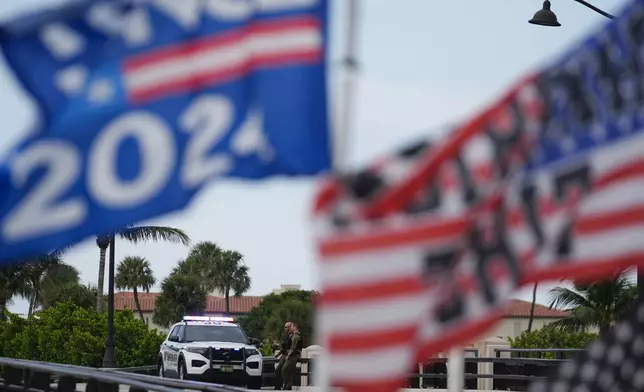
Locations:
206 318
226 319
196 318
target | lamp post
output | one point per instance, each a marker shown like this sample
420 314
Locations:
109 359
545 16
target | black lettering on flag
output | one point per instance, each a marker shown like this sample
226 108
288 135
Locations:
578 177
635 27
360 187
438 262
575 100
609 74
488 250
364 184
429 200
506 141
544 92
470 195
440 266
529 197
414 150
453 309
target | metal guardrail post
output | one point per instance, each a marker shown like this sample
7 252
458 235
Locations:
66 384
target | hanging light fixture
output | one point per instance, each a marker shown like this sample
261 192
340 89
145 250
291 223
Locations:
545 16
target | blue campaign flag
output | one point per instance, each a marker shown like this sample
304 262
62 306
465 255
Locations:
141 103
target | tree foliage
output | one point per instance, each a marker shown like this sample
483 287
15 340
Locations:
594 304
219 269
551 337
137 234
266 321
132 273
181 294
73 335
207 267
12 283
43 275
83 296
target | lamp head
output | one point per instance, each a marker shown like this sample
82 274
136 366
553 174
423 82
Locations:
545 17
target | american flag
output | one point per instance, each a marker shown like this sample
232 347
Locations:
193 65
422 251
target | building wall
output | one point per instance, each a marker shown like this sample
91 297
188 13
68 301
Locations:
514 326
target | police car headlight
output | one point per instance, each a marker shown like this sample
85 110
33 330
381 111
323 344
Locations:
198 350
251 351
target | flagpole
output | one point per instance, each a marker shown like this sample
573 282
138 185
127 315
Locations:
343 129
343 123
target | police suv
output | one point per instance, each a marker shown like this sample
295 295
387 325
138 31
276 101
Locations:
211 349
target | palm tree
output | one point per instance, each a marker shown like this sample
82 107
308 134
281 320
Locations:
231 274
595 304
135 234
11 284
181 294
134 272
202 261
219 269
532 306
42 273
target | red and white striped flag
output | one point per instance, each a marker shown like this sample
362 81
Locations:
422 251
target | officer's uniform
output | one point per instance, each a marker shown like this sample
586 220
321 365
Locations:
286 344
290 367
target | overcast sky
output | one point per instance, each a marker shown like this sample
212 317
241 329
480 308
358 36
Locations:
424 64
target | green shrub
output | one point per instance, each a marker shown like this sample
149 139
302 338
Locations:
266 348
67 333
266 320
549 337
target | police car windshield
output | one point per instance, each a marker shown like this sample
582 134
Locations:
214 333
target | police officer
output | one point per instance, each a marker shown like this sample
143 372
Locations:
292 357
281 356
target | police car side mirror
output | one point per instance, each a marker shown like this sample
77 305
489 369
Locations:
254 341
173 338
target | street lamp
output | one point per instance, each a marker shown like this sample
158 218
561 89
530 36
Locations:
109 359
545 17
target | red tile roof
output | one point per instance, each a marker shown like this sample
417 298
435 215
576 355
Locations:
520 308
125 300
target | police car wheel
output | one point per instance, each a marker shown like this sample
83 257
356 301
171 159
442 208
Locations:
182 370
160 370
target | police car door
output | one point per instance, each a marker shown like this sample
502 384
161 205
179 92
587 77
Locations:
171 351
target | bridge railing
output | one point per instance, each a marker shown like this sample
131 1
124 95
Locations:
510 370
31 376
508 373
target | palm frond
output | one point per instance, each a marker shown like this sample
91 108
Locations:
60 252
134 272
564 298
139 234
